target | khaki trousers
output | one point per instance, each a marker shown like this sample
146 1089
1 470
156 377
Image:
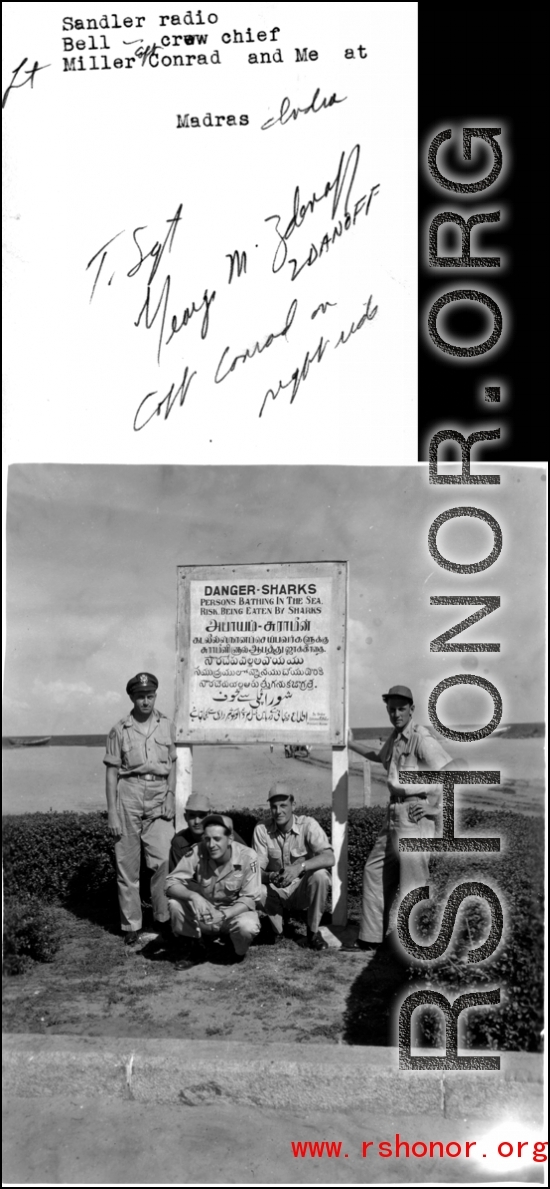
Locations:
137 803
387 869
311 892
241 929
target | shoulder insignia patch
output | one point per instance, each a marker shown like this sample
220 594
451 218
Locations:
112 734
253 866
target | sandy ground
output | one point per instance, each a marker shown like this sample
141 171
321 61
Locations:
73 778
98 987
77 1141
95 987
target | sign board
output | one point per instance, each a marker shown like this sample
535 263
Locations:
262 653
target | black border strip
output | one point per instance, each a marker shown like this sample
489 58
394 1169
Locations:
473 63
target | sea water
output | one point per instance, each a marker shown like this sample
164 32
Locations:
73 778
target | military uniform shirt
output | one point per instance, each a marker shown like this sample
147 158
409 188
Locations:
277 850
236 882
183 842
136 752
413 748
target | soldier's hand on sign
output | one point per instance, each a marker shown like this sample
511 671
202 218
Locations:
418 810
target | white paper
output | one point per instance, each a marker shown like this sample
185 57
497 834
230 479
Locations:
98 173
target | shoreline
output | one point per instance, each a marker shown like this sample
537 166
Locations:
14 741
40 779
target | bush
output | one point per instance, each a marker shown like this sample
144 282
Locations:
516 874
69 858
59 857
64 857
31 932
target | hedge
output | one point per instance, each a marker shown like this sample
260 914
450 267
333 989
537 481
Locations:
69 858
517 966
31 933
64 857
517 874
58 857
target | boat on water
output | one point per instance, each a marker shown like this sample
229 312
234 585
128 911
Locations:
28 740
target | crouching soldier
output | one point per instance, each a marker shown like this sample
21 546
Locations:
213 892
295 857
198 807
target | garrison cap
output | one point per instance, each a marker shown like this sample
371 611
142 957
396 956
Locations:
218 819
398 691
280 790
199 803
142 683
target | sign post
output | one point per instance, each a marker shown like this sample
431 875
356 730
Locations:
262 658
184 782
340 836
367 785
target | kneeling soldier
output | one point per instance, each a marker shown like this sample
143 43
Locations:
213 891
198 807
295 856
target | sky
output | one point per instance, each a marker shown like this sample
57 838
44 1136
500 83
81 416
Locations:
92 553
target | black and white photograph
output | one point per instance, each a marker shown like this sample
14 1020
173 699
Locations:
275 530
214 678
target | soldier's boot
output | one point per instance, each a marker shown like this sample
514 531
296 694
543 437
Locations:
368 948
316 941
131 936
189 953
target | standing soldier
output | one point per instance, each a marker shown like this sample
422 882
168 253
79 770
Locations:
412 811
140 786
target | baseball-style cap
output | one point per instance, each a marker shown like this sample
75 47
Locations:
279 790
142 683
398 691
198 802
218 819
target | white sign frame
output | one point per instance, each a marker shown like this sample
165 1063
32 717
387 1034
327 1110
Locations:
280 574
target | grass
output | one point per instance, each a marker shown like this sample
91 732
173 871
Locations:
95 986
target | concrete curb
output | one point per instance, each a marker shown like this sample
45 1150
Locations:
196 1073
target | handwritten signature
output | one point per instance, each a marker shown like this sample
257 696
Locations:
256 349
331 237
288 113
165 406
155 267
301 373
157 307
31 75
300 210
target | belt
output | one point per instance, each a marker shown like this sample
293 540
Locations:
407 797
145 776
